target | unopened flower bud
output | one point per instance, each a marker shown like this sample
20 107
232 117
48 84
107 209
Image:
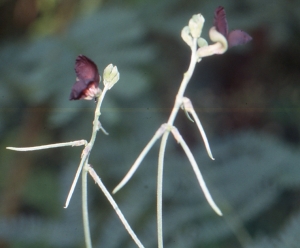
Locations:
202 42
196 25
111 76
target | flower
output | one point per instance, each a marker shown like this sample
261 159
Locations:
235 37
87 80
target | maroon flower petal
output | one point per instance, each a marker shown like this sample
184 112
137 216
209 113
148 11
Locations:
235 37
220 21
87 76
238 37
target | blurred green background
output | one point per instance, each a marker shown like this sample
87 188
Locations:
247 99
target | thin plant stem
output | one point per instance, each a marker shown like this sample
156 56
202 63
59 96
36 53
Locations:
160 188
202 132
178 102
114 205
84 160
85 213
200 177
140 158
186 78
188 108
195 167
96 127
88 147
96 117
34 148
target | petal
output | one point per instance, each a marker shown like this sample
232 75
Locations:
81 91
86 70
78 89
238 37
220 21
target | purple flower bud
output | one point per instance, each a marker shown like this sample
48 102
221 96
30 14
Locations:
235 37
87 80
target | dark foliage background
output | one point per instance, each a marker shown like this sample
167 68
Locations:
248 100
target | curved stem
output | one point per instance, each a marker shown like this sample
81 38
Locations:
196 169
188 108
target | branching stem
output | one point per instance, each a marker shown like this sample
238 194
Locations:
111 76
178 101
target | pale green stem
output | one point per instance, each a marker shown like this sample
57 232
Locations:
34 148
114 205
188 108
195 167
186 78
200 178
96 117
89 146
178 101
202 132
85 211
160 188
140 158
82 162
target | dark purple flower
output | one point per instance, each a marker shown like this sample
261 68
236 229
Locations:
235 37
87 80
